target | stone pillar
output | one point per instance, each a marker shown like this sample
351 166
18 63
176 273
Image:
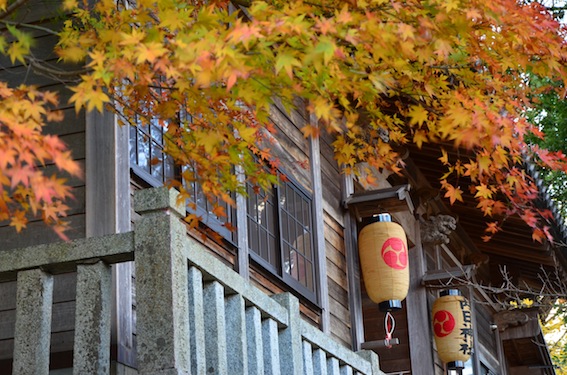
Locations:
290 338
215 328
92 319
255 348
371 357
271 347
161 284
196 317
236 345
33 323
319 362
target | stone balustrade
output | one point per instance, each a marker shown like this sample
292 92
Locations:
194 314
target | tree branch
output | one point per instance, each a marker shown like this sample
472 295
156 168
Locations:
12 7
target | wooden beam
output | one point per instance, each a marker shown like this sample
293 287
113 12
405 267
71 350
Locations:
419 326
438 277
319 231
353 270
369 203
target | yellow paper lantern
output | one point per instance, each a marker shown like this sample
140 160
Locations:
383 251
452 328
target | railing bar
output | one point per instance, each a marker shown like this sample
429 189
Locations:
215 327
255 348
196 318
334 349
62 256
91 353
332 366
270 341
307 358
212 268
346 370
290 337
32 333
319 362
237 357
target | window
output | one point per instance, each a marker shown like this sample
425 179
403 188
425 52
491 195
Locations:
200 205
149 163
147 158
280 235
280 222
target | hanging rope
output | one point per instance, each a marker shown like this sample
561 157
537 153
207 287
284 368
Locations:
389 326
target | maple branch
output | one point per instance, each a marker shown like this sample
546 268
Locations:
552 287
244 3
12 7
29 26
59 74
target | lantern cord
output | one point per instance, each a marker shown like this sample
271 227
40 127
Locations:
389 326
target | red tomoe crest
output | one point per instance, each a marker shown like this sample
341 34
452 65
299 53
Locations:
443 323
394 253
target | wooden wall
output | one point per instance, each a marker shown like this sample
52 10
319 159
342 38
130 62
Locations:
72 132
337 278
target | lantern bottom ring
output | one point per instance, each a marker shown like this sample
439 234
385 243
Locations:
456 365
390 305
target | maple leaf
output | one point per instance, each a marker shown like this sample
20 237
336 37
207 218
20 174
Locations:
18 220
286 61
419 137
418 115
483 191
453 193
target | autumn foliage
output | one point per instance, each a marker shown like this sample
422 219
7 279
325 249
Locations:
378 74
24 148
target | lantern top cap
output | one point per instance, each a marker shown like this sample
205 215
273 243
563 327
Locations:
384 217
450 292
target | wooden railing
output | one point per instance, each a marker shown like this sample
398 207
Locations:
194 314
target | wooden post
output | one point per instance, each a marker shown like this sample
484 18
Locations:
318 230
417 311
353 270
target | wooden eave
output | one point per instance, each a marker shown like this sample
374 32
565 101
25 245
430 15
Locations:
513 247
368 203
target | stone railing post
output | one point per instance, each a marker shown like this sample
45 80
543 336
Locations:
371 357
92 319
161 284
33 323
291 353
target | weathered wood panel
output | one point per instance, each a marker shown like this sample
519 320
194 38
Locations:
38 233
63 315
337 275
72 131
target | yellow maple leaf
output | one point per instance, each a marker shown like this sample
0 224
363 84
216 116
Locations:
453 193
483 191
419 138
418 115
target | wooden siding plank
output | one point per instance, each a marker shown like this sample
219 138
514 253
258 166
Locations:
339 311
38 232
338 293
336 274
72 122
